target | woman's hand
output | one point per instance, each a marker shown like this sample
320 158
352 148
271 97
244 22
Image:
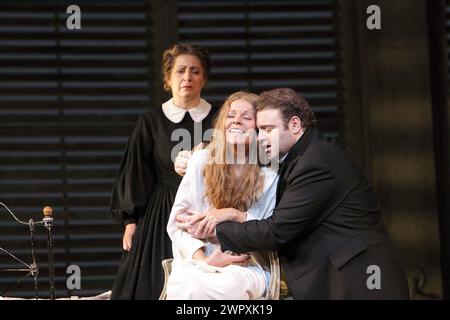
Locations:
222 259
181 162
128 236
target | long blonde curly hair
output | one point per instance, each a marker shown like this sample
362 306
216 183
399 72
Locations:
224 189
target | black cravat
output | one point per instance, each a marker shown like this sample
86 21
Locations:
281 183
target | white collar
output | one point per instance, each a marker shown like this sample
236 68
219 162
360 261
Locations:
176 114
284 157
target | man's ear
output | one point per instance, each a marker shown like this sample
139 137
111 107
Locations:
295 125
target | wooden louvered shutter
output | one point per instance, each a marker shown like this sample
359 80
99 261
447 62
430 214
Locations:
68 100
259 45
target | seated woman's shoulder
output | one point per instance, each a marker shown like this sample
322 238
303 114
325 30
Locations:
199 156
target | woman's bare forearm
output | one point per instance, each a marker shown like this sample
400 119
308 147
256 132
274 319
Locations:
199 255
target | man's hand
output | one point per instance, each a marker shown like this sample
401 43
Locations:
127 240
215 216
188 220
199 225
202 225
207 225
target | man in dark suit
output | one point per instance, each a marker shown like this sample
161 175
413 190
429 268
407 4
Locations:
326 226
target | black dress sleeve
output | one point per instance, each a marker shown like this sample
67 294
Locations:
135 179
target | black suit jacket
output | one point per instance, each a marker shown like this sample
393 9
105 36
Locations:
326 227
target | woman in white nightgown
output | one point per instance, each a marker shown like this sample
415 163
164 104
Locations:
222 182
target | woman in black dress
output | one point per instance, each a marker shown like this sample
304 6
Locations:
146 184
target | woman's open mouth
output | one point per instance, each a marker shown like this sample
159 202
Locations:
236 131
